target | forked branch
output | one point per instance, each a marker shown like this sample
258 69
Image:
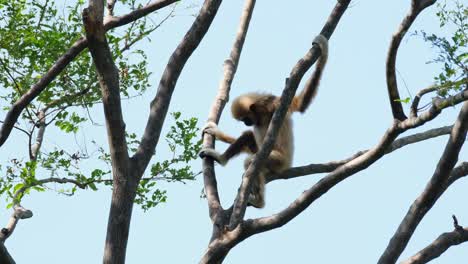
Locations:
332 165
416 7
433 190
230 68
440 245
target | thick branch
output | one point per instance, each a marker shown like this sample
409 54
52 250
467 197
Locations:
62 62
431 193
288 93
230 68
160 103
416 7
331 166
440 245
108 76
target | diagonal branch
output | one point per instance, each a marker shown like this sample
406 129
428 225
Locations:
160 103
62 62
292 83
230 68
435 187
331 166
392 87
440 245
360 163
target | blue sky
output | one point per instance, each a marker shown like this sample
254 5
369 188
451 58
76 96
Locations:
350 224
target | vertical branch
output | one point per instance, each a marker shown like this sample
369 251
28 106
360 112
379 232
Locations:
230 68
392 87
160 104
124 187
431 193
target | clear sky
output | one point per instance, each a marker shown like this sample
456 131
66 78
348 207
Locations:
350 224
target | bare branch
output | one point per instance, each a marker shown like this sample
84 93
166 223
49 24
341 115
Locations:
288 93
62 62
432 88
440 245
160 104
435 187
416 7
331 166
230 68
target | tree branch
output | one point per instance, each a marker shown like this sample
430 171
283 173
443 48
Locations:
108 76
331 166
62 62
230 68
416 7
160 104
440 245
435 187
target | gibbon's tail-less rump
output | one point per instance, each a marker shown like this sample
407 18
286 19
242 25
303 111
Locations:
256 110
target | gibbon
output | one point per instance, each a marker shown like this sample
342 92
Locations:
256 109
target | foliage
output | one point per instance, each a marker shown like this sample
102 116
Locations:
182 140
33 35
452 52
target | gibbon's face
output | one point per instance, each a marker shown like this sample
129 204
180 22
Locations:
248 121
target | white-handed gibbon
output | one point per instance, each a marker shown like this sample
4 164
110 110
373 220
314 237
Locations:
256 109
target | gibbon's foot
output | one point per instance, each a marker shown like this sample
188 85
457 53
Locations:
211 153
256 201
210 128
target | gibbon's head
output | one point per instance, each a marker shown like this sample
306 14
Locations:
254 109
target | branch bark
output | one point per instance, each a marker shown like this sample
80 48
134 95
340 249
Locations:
433 190
440 245
417 6
62 62
124 188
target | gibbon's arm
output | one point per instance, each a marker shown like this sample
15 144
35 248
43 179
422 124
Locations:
244 143
212 129
301 103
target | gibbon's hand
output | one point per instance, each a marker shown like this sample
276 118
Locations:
211 153
210 128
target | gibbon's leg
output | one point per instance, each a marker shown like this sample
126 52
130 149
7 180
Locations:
212 129
257 191
244 143
276 162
